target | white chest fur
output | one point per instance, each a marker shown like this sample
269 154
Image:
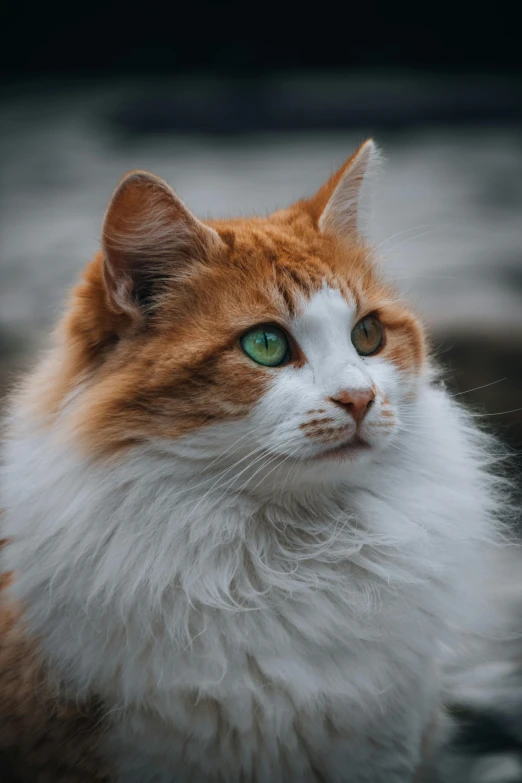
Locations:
263 735
254 640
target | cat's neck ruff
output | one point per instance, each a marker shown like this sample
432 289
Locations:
131 567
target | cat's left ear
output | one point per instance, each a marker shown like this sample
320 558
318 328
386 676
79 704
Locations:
343 205
149 236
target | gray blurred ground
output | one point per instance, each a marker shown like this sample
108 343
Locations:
448 221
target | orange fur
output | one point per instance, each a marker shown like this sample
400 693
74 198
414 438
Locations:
44 737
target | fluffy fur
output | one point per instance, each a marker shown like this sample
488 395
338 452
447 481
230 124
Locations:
44 735
197 542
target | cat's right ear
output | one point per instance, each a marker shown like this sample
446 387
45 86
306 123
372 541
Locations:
342 208
149 236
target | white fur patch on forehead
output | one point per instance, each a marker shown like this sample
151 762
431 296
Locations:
327 311
323 329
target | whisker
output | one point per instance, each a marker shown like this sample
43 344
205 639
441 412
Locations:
293 469
394 446
400 233
500 413
484 386
418 236
192 487
258 458
271 458
234 480
275 467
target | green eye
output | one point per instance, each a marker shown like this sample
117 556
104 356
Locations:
266 345
368 336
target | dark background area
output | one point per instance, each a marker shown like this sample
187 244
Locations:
254 39
275 65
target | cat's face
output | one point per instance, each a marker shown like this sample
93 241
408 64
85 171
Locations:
342 398
262 346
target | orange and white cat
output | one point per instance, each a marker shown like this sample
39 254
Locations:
242 514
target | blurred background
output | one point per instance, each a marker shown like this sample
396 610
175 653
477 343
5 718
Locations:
245 107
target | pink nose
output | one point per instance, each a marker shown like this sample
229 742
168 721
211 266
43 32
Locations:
357 403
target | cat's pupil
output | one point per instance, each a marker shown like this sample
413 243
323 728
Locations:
367 336
266 346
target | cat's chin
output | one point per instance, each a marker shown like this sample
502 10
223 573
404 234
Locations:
349 450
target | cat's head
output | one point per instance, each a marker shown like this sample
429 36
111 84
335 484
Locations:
268 343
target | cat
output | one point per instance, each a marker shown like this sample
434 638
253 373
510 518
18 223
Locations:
243 516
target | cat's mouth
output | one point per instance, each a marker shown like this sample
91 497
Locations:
347 450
